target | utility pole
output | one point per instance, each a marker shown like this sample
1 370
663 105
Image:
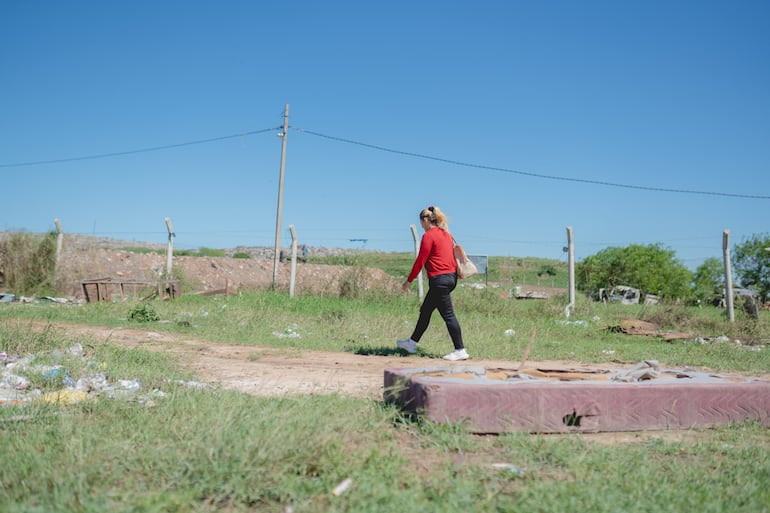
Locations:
283 136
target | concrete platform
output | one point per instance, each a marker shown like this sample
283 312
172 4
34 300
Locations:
577 400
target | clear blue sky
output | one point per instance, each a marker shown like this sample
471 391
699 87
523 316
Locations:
633 122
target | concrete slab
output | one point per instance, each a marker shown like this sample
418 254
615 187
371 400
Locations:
645 397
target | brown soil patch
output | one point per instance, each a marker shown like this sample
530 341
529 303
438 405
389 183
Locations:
206 274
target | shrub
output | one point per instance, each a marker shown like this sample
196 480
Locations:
143 312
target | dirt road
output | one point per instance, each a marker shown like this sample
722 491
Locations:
270 371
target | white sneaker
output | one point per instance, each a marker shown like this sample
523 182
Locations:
408 345
456 355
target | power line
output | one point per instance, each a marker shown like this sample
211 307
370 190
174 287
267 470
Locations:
398 152
141 150
536 175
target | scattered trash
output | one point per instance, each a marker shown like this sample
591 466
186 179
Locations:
12 298
622 294
67 396
508 467
343 487
191 384
290 332
60 300
582 324
59 387
509 333
638 327
642 371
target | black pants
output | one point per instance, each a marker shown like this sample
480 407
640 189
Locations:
439 297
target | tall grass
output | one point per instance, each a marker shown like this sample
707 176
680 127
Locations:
28 263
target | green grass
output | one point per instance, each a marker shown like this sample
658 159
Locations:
371 323
205 450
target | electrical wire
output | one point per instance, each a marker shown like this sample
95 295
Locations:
536 175
398 152
141 150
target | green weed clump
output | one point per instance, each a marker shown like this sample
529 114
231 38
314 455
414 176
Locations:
143 312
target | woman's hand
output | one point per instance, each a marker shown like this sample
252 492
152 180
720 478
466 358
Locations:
405 286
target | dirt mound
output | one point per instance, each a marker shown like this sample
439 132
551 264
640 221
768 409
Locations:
208 274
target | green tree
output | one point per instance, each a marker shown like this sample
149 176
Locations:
751 264
709 281
651 268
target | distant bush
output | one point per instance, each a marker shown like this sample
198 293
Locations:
201 252
210 252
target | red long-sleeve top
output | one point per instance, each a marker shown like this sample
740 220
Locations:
436 254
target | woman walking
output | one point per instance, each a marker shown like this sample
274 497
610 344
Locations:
437 256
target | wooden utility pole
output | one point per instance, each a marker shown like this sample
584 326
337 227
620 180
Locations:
283 136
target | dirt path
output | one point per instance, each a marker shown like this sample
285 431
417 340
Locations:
270 371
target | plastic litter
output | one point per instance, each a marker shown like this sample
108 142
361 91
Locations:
508 467
17 389
67 396
343 487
